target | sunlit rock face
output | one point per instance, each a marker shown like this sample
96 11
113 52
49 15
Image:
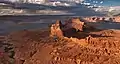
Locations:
77 24
58 29
101 19
117 19
91 19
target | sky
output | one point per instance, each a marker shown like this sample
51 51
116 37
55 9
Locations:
105 2
99 2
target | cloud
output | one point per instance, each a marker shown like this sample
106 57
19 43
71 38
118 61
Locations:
48 0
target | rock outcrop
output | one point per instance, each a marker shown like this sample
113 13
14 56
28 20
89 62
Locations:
36 47
58 28
101 19
77 24
117 18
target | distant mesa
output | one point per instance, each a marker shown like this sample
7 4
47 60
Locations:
76 24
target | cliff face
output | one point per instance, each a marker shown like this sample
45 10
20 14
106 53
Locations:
58 29
102 19
81 47
117 18
72 26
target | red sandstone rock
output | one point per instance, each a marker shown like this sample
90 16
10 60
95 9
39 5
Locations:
52 30
117 19
101 50
77 24
88 39
59 32
56 29
97 19
58 23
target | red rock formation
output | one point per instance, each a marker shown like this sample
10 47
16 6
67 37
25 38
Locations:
59 32
117 19
89 19
88 39
77 24
56 30
92 19
52 30
102 19
97 19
